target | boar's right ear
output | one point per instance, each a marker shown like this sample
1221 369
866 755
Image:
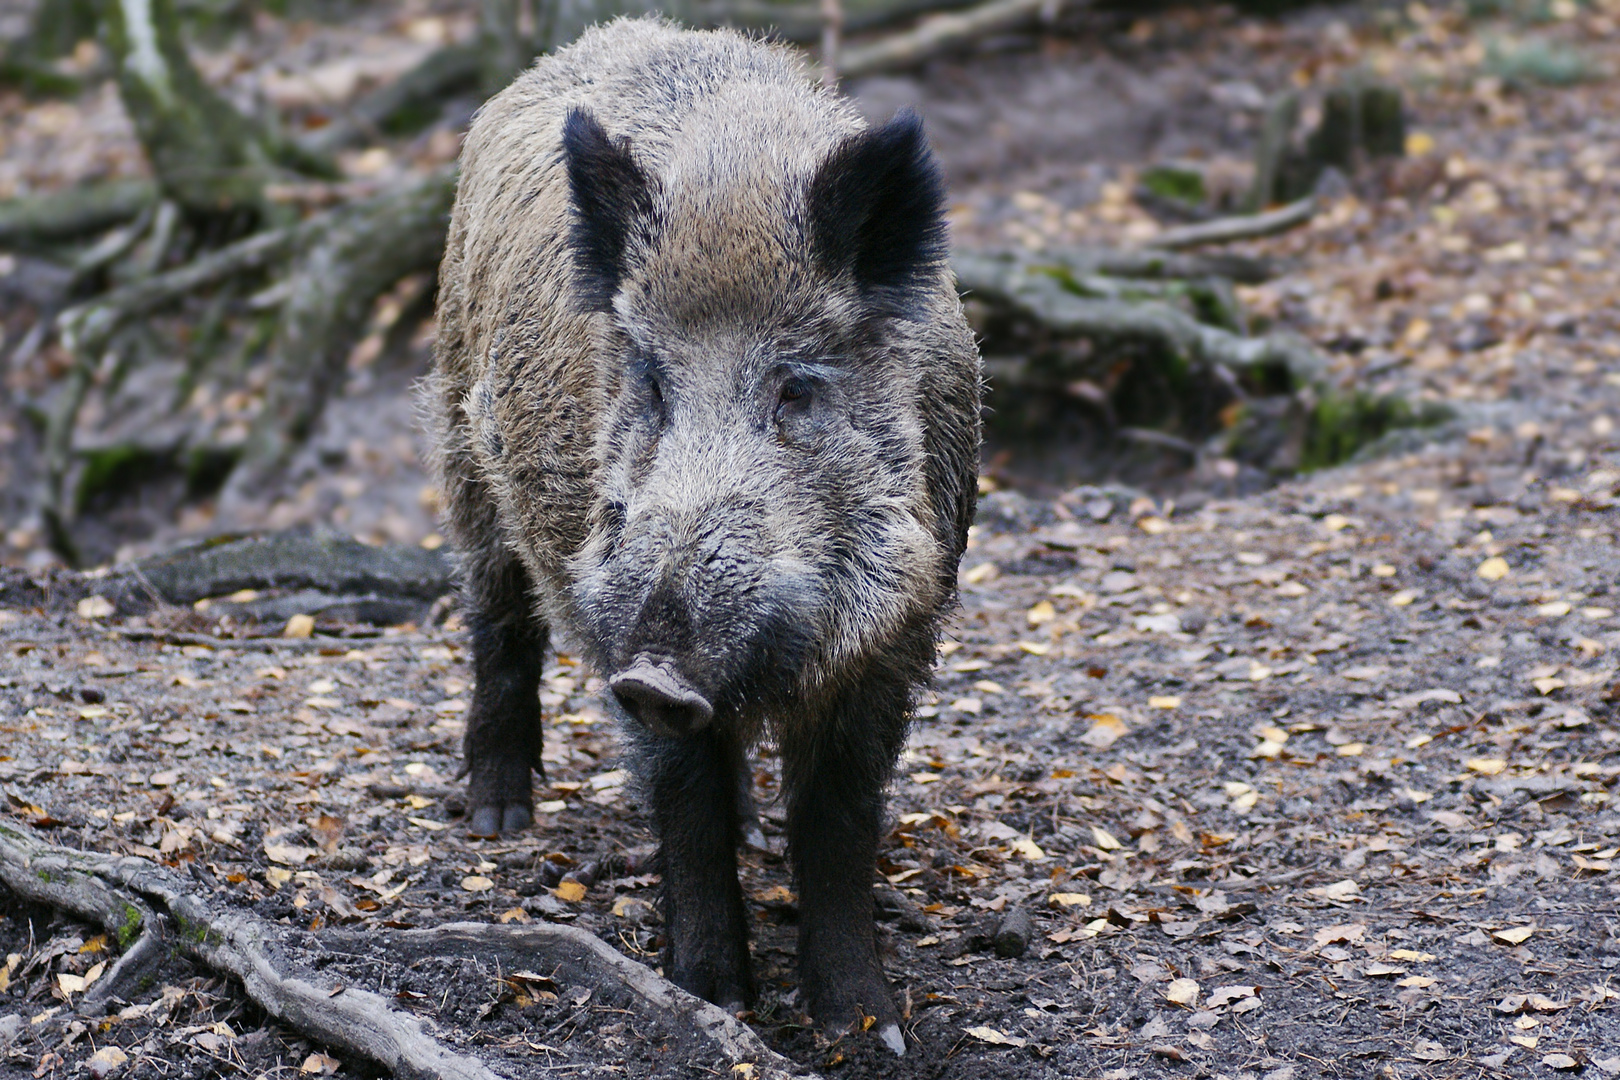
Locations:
611 195
877 209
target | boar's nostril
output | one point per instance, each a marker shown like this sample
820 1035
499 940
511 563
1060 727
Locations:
659 697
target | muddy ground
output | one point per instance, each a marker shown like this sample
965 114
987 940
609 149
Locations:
1314 782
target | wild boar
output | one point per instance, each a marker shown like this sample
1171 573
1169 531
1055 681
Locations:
707 410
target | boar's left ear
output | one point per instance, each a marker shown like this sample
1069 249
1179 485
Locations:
611 197
877 209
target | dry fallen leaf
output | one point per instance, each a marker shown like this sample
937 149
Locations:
1182 992
994 1037
477 883
1069 899
1104 839
1105 730
1416 982
1514 935
1041 614
1339 890
569 890
1486 766
1166 701
1494 568
300 626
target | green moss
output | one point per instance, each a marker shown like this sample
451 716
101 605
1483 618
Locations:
1341 424
1175 183
130 928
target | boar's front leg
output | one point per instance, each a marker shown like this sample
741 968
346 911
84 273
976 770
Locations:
692 780
836 768
503 737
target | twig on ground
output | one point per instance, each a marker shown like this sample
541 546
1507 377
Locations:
1242 227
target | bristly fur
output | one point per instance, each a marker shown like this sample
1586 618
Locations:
611 197
877 209
707 405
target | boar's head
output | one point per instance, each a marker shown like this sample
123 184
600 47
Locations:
762 529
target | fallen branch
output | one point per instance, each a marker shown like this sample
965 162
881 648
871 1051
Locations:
942 33
149 910
1242 227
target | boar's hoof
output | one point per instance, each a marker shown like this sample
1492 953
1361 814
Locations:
891 1037
657 695
488 821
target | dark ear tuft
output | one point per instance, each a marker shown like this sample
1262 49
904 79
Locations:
877 209
611 195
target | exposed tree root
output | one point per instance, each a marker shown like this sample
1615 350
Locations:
74 212
150 910
358 252
1032 293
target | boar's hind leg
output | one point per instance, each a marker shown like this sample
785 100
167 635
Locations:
503 727
693 784
836 770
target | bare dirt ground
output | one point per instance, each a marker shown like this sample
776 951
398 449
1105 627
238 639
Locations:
1316 782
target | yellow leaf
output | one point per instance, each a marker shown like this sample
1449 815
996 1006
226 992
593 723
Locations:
1403 598
517 915
428 824
1182 992
1104 839
1105 730
980 574
1041 614
1514 935
1153 526
1029 849
1034 648
571 891
1412 955
1419 143
1485 766
1417 982
1547 685
477 883
1167 701
1352 749
70 984
1069 899
1494 568
299 626
1335 523
924 777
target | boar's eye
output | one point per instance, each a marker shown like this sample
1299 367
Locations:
792 398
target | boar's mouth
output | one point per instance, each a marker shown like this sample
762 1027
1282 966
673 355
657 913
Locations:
654 691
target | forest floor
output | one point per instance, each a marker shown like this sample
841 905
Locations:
1319 781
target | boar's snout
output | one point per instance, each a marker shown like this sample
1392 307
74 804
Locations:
653 692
